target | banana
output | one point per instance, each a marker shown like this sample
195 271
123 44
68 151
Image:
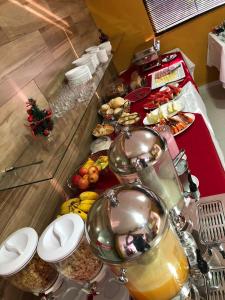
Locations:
82 214
89 202
89 196
85 207
88 163
69 205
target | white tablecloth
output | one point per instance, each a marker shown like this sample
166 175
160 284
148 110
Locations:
192 102
216 55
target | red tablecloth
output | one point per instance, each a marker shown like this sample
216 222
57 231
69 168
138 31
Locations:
196 140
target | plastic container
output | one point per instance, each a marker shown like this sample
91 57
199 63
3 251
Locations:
22 267
134 236
64 246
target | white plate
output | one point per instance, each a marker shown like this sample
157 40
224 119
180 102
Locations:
178 74
164 107
190 115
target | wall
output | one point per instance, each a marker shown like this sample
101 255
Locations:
38 42
128 18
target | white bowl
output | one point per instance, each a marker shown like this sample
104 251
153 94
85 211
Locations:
91 49
85 61
93 57
107 46
102 56
81 71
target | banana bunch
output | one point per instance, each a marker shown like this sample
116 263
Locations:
81 205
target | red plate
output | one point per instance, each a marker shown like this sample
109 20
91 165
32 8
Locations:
138 94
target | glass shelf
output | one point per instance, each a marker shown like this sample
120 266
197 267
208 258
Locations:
49 150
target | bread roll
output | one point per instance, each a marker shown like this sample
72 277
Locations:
109 111
116 102
105 107
118 111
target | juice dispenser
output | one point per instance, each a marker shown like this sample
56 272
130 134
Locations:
22 267
129 229
140 153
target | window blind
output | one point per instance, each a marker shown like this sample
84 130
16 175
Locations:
165 14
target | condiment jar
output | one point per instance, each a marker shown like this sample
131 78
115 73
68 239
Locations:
64 246
129 229
22 267
141 154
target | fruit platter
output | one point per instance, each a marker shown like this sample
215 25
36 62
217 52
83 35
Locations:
88 173
93 174
164 111
166 94
178 123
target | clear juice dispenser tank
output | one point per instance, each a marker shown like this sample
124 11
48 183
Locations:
128 228
142 154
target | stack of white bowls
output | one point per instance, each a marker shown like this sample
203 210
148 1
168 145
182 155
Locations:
107 46
90 49
101 53
78 75
88 61
94 58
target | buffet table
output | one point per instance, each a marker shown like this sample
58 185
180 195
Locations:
216 55
205 157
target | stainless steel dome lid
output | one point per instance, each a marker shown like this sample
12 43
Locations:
126 222
134 146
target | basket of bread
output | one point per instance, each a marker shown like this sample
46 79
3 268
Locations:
114 108
103 130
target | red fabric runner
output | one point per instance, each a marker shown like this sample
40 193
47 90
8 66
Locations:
127 74
203 160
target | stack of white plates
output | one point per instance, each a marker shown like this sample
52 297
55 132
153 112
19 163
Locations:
78 75
107 46
93 57
88 61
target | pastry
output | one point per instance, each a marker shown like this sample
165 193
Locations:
129 119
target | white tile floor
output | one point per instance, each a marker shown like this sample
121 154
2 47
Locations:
213 96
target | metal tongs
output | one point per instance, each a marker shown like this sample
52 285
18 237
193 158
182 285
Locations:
179 156
13 168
